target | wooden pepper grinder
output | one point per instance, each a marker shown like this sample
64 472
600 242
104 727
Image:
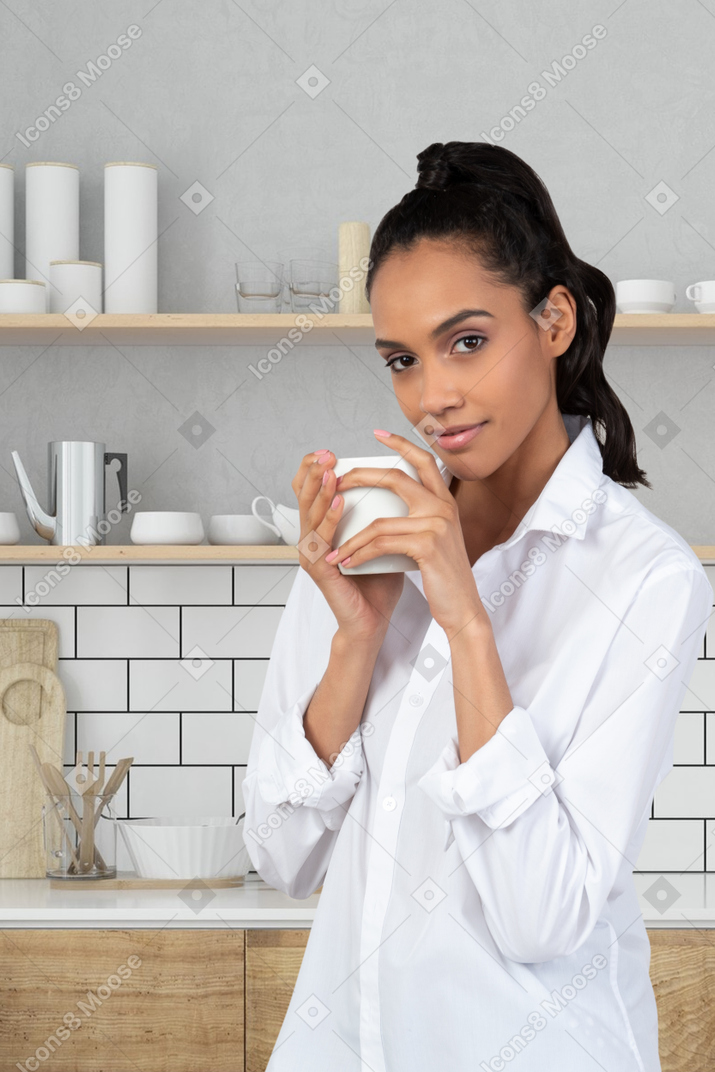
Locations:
353 246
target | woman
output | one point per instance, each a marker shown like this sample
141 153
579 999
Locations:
466 759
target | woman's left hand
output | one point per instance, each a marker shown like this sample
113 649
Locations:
431 534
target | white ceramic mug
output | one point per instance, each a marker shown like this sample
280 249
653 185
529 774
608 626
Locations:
703 294
364 504
22 296
644 296
239 529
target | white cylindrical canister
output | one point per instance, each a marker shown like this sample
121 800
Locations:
22 296
130 238
353 246
51 218
7 221
75 281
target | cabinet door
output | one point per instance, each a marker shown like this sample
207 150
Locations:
273 960
682 970
177 1007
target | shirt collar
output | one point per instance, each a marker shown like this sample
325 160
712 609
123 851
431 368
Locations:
563 501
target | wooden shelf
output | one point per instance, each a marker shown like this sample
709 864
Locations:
29 553
169 553
264 329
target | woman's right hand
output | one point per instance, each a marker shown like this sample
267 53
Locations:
362 604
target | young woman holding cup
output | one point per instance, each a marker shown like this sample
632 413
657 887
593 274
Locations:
465 754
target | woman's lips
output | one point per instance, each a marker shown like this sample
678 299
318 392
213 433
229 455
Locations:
452 442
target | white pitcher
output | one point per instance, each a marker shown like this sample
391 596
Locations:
285 520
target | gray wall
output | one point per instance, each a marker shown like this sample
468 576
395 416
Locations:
208 93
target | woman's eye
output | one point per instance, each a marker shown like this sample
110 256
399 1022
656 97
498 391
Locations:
400 357
471 339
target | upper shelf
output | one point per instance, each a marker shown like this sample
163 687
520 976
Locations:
117 553
261 329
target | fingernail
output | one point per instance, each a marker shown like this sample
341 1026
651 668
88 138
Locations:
323 459
331 556
326 474
321 452
381 432
346 560
338 481
336 502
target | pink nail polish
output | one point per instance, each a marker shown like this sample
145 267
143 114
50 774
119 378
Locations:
321 452
346 560
331 556
381 432
336 502
326 474
338 481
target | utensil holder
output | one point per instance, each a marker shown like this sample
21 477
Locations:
62 835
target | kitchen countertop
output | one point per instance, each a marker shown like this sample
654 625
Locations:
687 901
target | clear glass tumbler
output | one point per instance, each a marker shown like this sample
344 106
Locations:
259 286
80 838
310 285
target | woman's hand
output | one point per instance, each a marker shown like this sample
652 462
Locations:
362 605
431 534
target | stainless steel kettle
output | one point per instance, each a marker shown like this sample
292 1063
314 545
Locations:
76 485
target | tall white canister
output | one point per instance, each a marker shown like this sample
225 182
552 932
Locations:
130 237
7 221
51 218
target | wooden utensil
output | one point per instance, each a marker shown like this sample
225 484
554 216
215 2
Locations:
60 788
21 792
53 804
113 783
86 849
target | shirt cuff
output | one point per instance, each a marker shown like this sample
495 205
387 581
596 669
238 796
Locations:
289 768
499 781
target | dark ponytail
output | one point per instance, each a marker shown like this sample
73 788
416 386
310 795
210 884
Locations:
497 208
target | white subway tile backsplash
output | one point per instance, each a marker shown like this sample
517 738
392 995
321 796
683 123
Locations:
128 632
249 678
189 791
223 737
700 694
686 793
10 584
230 632
672 845
151 737
94 684
187 713
179 685
180 585
82 584
263 584
63 616
689 743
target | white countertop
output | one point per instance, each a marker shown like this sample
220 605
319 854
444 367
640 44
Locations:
689 903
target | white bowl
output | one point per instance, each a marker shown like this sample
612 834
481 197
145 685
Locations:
186 847
9 529
243 529
166 526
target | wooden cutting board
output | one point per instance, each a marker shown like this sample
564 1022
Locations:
22 794
27 640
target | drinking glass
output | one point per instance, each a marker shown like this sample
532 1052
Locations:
259 286
310 285
62 839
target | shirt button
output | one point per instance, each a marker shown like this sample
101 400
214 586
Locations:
389 803
416 700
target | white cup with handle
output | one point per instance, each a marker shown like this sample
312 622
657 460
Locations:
365 504
703 294
285 521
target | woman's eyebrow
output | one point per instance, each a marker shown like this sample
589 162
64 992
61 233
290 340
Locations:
444 326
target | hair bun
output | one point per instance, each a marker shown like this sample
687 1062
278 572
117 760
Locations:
434 168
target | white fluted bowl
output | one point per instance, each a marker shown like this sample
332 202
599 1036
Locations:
186 847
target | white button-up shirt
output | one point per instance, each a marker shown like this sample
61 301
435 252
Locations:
483 915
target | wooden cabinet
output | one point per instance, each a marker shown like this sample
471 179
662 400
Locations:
180 1009
170 1000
